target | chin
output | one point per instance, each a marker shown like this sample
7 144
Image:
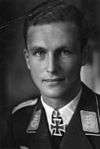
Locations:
53 93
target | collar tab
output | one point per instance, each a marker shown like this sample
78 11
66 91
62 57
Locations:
34 123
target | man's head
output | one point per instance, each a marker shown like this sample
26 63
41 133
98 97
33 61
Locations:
56 11
55 35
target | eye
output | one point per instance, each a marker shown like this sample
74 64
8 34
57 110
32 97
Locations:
38 51
64 51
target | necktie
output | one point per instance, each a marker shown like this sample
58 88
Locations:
57 126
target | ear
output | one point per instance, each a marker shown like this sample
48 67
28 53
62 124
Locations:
84 55
26 54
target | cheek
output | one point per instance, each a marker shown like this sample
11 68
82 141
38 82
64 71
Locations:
35 68
71 64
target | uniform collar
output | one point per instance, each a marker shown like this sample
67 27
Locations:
66 111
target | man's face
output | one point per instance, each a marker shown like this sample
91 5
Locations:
54 57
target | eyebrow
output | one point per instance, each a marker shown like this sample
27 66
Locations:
43 48
64 47
37 48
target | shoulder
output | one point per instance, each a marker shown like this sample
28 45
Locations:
20 117
23 105
22 113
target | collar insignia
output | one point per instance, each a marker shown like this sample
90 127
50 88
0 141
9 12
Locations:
89 121
34 123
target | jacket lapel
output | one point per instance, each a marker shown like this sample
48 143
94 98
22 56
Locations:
41 138
75 136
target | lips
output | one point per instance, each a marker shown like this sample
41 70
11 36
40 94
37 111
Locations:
54 80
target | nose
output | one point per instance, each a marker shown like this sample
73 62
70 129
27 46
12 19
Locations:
51 63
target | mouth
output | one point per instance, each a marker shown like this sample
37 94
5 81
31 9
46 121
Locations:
54 80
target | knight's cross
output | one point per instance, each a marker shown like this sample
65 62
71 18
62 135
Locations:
57 126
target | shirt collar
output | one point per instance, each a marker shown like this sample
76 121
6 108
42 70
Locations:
66 111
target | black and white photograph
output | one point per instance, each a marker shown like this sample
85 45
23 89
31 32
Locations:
49 74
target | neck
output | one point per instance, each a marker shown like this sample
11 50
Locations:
58 102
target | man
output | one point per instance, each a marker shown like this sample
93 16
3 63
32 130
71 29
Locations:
66 116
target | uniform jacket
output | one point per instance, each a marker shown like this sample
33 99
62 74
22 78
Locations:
28 127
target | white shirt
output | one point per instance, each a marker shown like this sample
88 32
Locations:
66 111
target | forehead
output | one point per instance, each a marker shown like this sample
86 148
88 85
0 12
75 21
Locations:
53 34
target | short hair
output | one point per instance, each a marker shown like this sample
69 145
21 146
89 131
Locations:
52 11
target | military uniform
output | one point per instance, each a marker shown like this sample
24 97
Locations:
28 127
